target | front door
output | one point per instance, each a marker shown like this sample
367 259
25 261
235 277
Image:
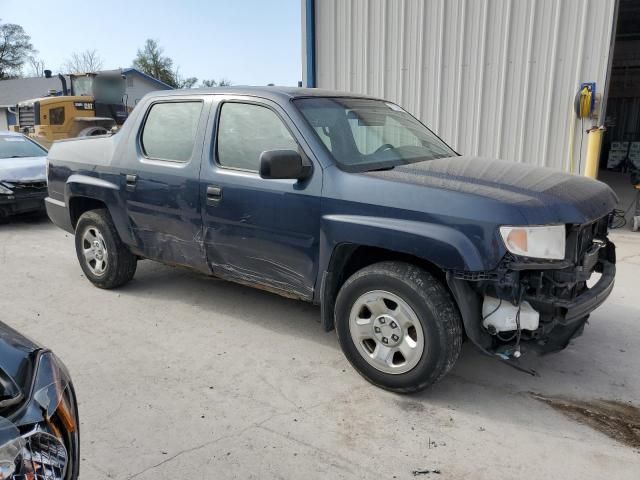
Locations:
258 231
161 182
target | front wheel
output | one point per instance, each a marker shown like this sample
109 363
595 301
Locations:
398 326
105 260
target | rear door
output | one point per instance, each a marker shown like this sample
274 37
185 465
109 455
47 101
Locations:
258 231
161 181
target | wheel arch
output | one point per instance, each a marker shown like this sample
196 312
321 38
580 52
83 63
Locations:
84 193
351 242
347 258
80 204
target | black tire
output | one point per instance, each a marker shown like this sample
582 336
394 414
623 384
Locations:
435 310
120 263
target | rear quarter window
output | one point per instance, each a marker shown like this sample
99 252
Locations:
169 130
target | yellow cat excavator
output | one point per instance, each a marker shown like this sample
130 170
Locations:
93 105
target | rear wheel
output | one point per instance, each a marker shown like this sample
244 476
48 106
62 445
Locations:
398 326
105 260
93 132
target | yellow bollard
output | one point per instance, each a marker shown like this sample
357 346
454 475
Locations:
594 143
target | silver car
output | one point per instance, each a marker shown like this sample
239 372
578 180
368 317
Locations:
23 183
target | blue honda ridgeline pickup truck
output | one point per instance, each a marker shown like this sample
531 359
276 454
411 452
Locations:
348 202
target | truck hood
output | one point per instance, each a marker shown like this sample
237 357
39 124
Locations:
24 169
542 195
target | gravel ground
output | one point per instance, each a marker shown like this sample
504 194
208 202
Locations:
183 376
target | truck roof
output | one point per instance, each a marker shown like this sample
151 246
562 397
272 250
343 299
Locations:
273 93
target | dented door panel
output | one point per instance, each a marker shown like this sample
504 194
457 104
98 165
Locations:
262 232
163 201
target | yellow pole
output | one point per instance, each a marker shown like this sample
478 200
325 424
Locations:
594 143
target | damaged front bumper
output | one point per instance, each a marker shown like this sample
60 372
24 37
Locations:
558 294
25 197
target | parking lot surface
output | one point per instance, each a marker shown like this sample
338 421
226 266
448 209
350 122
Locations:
183 376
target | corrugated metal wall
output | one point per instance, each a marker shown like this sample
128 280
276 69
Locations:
491 77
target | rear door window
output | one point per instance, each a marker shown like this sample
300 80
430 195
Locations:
170 129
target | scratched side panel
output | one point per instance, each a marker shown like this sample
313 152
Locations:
263 232
264 236
164 216
163 209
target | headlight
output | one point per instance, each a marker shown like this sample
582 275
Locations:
42 442
547 242
35 455
43 456
12 445
5 191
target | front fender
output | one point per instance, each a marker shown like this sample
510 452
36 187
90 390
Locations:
444 246
441 245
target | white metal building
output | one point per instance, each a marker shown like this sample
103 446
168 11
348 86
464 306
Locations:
493 78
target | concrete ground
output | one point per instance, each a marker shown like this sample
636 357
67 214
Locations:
183 376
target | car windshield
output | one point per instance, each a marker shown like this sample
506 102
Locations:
14 146
363 134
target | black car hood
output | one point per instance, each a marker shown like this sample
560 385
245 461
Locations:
541 194
16 354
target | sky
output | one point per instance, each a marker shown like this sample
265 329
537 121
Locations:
249 42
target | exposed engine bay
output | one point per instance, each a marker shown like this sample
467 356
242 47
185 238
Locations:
529 304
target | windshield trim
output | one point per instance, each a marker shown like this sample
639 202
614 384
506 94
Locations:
387 164
367 167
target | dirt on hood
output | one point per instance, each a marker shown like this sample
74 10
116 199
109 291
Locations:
618 420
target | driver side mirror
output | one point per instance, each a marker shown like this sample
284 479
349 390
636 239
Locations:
284 164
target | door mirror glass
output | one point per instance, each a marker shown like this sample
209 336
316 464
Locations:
283 164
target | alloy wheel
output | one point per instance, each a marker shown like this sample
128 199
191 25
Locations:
386 332
95 251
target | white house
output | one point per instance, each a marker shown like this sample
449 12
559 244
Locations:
19 89
139 84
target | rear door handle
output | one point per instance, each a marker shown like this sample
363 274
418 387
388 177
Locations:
131 182
214 195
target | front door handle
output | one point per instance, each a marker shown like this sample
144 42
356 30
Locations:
214 195
131 182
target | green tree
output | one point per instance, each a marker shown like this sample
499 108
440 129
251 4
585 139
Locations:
181 82
187 82
15 49
151 61
223 82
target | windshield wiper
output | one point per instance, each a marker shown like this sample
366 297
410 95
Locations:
382 169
